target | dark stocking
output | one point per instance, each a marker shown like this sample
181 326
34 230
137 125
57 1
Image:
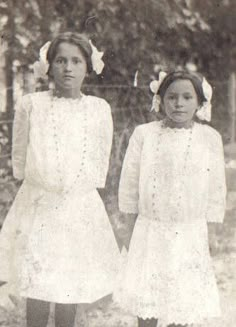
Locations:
147 322
65 315
37 313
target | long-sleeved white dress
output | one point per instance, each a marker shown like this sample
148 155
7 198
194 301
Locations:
57 243
175 180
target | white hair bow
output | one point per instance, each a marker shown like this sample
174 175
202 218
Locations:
154 86
41 66
204 113
96 59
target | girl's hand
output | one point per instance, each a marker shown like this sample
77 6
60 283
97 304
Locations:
126 242
2 283
126 230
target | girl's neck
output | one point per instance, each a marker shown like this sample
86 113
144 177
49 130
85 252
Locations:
172 124
70 93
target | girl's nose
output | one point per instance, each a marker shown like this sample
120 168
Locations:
68 66
179 102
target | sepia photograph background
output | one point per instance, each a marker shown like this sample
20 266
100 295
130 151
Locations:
139 38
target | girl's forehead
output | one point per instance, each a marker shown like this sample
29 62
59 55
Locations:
181 85
68 49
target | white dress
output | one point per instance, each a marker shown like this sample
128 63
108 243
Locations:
175 180
57 243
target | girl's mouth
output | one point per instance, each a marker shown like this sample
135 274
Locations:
179 112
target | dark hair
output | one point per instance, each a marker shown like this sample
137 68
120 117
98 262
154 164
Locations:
194 78
77 39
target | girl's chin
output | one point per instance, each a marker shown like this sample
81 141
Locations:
67 86
178 122
181 119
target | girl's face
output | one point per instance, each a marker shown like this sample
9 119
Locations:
69 67
180 102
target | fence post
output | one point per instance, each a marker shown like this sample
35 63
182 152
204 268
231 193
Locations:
232 103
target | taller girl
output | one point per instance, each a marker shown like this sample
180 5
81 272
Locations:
57 244
173 178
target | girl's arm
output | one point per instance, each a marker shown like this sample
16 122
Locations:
126 228
103 152
129 186
20 137
129 180
217 183
95 172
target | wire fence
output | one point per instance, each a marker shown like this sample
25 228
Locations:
114 91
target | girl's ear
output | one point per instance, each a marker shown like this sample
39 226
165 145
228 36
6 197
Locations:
198 108
162 108
50 75
87 75
161 114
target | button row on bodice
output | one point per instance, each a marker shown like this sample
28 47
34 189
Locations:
55 135
154 195
57 148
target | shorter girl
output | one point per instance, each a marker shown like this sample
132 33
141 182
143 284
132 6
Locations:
173 178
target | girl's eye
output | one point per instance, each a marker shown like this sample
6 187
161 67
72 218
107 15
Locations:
171 97
60 61
188 97
76 61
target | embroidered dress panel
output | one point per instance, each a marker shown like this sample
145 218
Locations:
163 166
174 179
51 239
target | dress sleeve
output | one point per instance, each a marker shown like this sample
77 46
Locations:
20 136
217 183
100 148
129 180
103 152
